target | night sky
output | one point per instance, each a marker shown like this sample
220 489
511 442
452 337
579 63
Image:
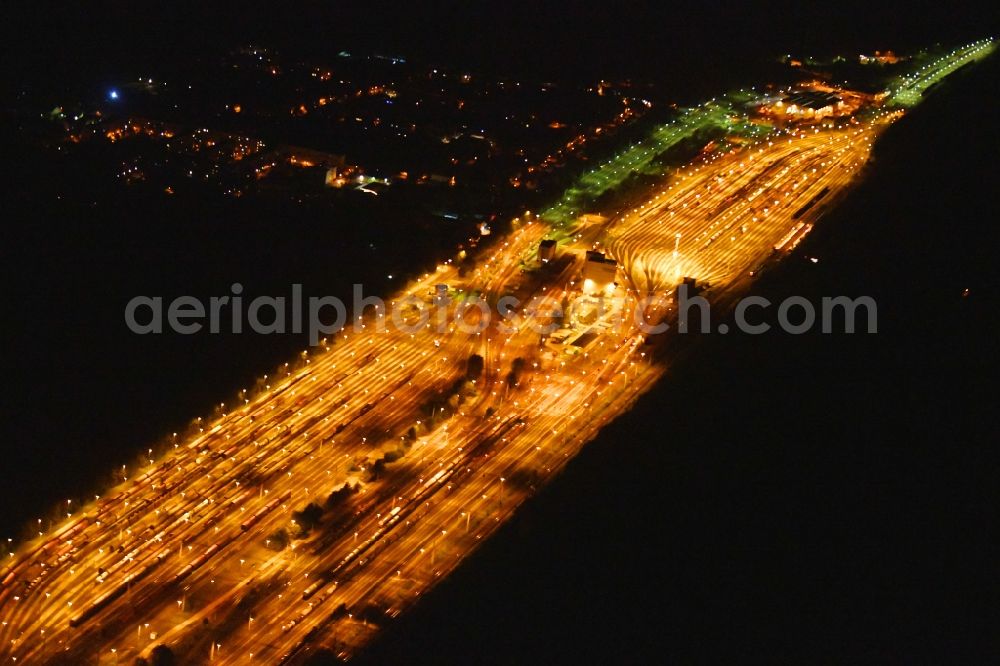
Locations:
629 39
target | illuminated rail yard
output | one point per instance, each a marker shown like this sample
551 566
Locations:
330 500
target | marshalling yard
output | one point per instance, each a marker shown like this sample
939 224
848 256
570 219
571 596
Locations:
434 458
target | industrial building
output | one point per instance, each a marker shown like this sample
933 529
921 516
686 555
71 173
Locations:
812 104
599 273
547 250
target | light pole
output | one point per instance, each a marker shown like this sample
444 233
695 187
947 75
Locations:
677 242
434 546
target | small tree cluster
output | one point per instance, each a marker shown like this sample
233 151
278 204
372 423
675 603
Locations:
307 518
